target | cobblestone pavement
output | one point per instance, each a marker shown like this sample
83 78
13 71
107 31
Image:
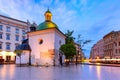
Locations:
72 72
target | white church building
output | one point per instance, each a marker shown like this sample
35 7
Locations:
44 42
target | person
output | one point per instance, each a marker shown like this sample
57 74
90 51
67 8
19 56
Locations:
60 57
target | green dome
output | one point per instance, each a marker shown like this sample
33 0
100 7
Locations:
48 11
47 25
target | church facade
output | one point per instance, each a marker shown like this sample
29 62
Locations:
45 41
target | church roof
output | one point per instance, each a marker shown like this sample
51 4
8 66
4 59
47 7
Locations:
24 46
48 22
46 25
48 11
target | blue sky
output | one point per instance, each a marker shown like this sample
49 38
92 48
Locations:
90 18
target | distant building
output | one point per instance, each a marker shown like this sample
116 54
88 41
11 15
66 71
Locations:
12 32
108 47
45 41
80 54
97 50
112 45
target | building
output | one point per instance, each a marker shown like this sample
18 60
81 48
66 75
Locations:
112 45
80 54
12 32
116 45
108 47
45 41
97 50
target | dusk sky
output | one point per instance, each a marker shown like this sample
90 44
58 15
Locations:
90 18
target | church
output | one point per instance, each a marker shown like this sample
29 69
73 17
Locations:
43 43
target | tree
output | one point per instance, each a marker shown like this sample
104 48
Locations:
69 50
82 42
69 38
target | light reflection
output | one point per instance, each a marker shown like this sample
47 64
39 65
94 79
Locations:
7 71
98 72
12 71
90 67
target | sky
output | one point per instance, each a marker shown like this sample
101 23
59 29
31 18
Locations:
91 18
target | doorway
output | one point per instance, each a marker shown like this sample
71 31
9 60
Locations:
8 58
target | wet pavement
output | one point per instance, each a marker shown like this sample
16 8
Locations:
72 72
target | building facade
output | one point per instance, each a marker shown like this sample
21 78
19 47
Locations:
116 50
12 32
79 53
108 47
112 45
97 50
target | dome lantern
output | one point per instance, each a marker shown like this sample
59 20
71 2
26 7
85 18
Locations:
48 22
48 15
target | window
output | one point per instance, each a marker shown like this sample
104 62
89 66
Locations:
7 36
116 50
0 35
8 29
7 46
40 41
115 43
17 38
23 37
16 44
17 31
60 42
1 27
23 32
0 45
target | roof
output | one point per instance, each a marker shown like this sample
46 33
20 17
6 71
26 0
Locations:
48 29
13 19
24 46
48 11
47 25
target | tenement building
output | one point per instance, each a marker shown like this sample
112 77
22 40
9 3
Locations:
110 46
80 54
12 32
97 50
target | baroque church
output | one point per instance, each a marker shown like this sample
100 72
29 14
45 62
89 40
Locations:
43 43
